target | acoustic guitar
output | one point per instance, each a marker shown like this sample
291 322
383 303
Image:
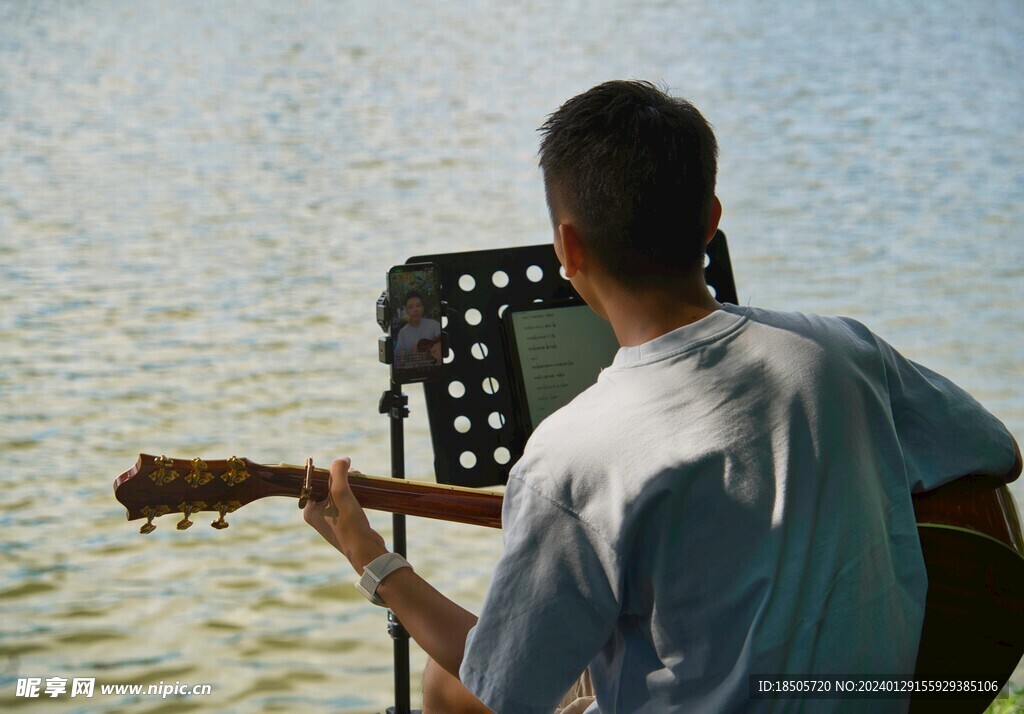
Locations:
969 529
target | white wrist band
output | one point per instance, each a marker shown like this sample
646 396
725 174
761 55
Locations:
375 572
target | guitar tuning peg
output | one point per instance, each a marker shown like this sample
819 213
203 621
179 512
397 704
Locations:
151 512
224 509
188 509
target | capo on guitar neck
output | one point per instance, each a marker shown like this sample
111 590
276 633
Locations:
307 484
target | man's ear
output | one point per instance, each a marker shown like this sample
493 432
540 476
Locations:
570 248
714 216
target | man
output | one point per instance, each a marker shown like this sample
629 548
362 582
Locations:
419 331
732 498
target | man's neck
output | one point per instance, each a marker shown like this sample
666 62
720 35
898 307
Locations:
639 316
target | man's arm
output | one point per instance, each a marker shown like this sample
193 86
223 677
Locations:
943 431
438 625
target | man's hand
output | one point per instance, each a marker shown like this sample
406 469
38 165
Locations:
435 351
341 521
435 622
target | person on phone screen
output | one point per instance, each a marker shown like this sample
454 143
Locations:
732 498
419 341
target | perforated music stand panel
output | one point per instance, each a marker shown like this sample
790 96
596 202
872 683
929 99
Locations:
471 408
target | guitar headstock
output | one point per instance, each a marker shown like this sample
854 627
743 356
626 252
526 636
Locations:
158 485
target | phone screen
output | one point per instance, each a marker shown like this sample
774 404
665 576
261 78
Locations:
414 296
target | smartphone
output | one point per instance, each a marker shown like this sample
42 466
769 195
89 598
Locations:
414 299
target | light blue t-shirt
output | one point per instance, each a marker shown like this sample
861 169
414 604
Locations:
730 499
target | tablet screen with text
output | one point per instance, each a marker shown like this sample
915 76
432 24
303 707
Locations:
557 351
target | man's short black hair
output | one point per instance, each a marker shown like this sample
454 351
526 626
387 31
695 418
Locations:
410 295
636 169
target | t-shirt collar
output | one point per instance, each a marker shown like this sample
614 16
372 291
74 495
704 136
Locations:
704 329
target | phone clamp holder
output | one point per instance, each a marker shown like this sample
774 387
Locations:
394 405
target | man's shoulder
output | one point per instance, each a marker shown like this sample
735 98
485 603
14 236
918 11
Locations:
777 329
802 321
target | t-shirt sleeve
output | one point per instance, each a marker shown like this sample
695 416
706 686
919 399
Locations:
943 431
550 608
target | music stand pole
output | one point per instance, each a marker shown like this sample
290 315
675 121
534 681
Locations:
396 405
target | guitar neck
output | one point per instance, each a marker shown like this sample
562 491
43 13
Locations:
412 498
159 485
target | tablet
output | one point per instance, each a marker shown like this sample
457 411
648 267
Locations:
555 350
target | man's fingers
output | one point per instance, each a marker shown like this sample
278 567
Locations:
344 502
338 491
338 480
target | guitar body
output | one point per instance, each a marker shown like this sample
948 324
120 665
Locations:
969 529
974 614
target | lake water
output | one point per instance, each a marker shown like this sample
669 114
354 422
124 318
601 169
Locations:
199 201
